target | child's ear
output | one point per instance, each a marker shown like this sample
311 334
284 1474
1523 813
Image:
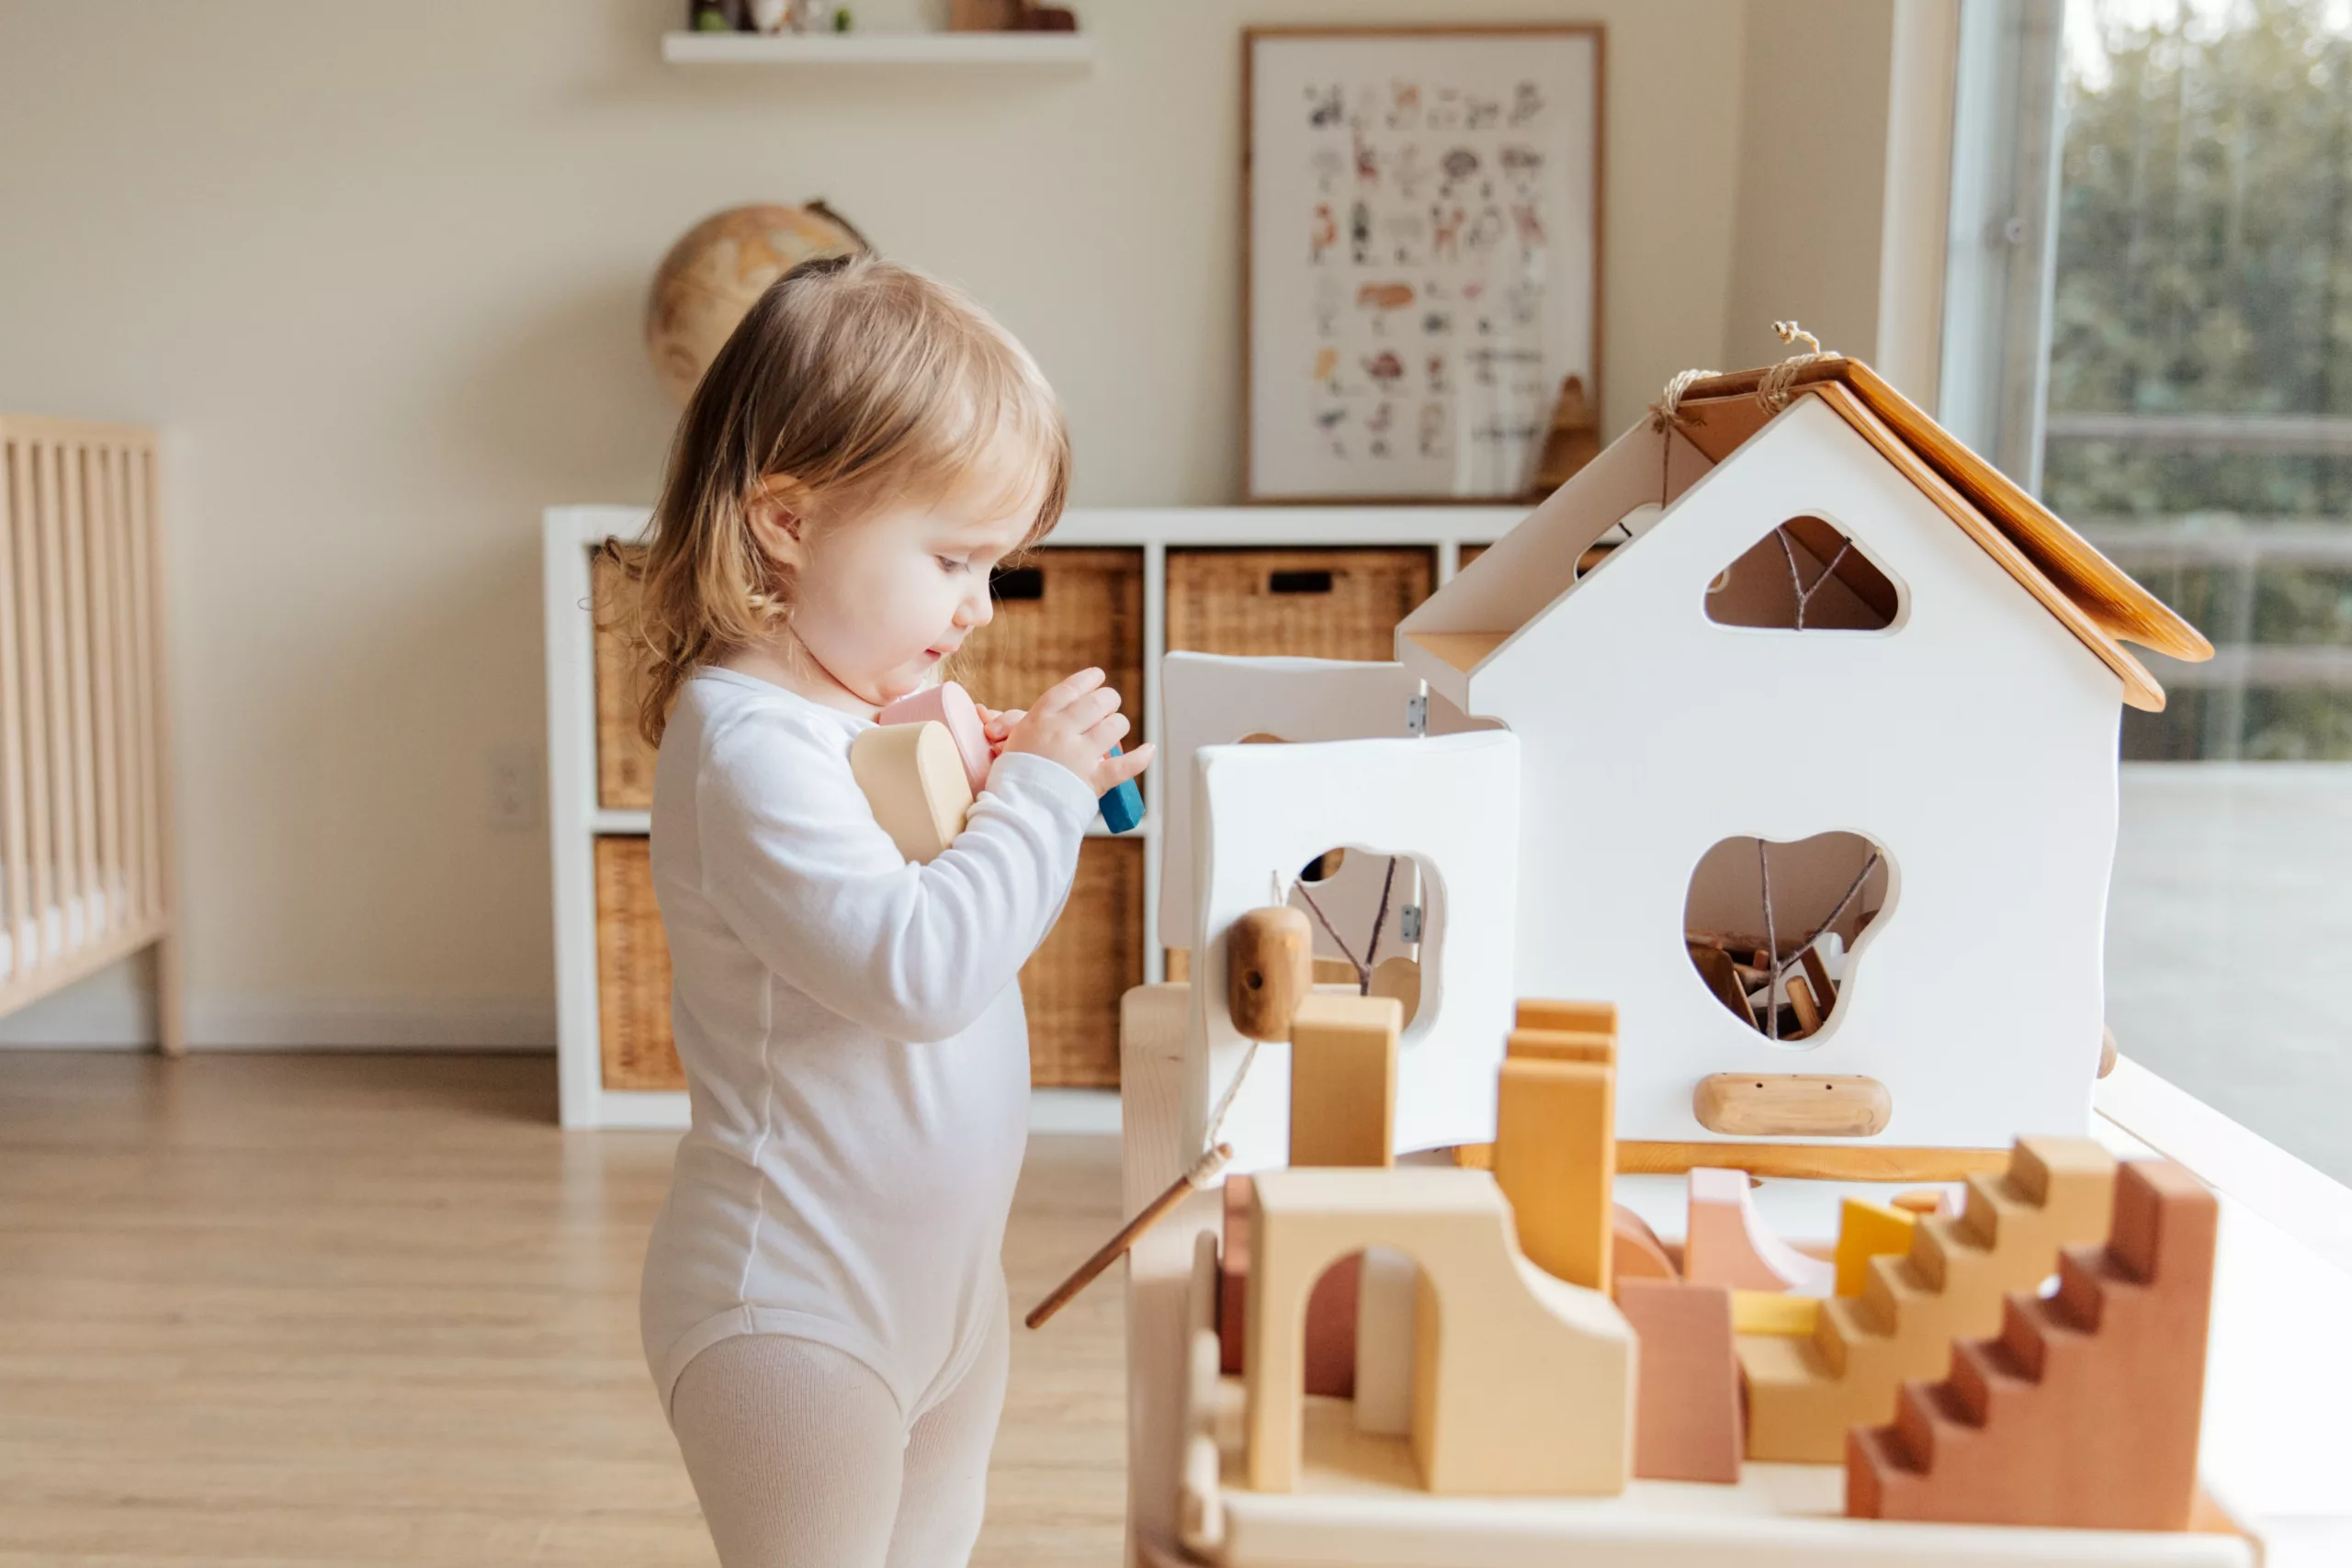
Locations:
777 511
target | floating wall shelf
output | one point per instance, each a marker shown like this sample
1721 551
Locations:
1066 51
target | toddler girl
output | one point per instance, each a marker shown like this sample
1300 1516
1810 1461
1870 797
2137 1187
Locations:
823 1307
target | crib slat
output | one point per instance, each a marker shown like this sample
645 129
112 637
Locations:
171 960
38 854
75 566
106 469
61 695
145 595
128 722
15 508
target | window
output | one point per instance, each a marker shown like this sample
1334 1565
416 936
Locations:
1805 575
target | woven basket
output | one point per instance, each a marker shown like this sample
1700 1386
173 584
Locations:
632 970
1058 611
1469 553
624 761
1072 985
1341 604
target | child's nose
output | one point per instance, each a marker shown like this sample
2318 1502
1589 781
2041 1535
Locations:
977 609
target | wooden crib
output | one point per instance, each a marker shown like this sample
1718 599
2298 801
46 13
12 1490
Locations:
86 849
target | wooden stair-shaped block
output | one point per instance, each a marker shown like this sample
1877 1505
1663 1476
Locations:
1804 1393
2082 1412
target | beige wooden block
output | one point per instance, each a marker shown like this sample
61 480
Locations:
1580 1017
1521 1383
1555 1156
913 778
1344 1079
1400 978
1384 1297
1802 1393
1269 969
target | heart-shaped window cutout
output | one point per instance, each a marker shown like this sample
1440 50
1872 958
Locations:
1771 927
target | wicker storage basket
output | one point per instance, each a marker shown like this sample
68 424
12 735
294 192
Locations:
1071 987
1469 553
624 761
1057 612
632 970
1340 603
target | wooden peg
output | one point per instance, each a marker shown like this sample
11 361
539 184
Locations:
1817 972
1268 970
1801 999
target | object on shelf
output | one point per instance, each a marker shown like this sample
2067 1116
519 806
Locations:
983 16
1573 440
770 16
1046 19
710 278
2082 1412
711 16
1523 1385
1802 1393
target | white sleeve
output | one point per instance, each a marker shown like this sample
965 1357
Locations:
795 863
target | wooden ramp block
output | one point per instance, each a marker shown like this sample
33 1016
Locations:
1686 1425
2082 1412
1331 1309
1555 1156
1727 1243
1344 1079
1802 1394
1865 1230
1521 1384
913 778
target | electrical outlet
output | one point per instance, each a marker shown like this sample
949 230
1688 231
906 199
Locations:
514 787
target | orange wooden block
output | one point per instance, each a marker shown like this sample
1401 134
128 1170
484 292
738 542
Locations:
2082 1412
1555 1156
1561 1045
1634 1250
1580 1017
1330 1307
1686 1420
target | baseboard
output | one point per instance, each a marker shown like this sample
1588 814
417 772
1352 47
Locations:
114 1020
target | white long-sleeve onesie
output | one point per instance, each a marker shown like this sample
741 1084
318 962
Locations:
855 1051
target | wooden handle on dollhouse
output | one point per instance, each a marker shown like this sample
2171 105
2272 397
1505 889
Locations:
1204 1172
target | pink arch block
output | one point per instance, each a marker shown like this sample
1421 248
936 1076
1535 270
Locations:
1727 1244
950 704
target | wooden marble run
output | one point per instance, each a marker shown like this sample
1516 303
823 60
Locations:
1453 1365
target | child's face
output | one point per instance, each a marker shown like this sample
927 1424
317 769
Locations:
882 599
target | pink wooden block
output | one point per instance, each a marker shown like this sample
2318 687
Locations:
1727 1244
951 706
1686 1422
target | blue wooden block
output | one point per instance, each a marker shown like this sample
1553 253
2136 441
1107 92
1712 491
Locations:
1123 807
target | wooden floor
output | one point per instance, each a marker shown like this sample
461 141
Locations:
306 1309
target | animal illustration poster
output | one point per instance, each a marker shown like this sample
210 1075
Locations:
1424 256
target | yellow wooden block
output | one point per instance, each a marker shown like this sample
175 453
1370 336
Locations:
1521 1384
1582 1018
1344 1079
1864 1231
1555 1155
1773 1311
1562 1045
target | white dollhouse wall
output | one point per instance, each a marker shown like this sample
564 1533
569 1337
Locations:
1261 812
1974 738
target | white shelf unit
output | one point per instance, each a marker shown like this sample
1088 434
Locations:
1069 51
576 819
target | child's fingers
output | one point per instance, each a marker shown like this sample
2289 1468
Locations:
1108 732
1118 770
1091 708
1001 725
1069 691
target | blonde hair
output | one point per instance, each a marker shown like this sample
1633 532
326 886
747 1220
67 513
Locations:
853 382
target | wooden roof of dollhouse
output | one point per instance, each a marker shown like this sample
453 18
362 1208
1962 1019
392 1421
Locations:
2089 594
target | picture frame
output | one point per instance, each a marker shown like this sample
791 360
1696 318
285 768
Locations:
1422 222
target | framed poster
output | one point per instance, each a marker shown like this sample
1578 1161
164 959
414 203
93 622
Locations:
1422 245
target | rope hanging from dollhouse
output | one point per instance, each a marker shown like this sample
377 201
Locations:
1778 386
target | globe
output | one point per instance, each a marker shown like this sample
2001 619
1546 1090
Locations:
710 277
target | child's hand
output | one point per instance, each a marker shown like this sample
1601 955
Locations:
1076 724
997 727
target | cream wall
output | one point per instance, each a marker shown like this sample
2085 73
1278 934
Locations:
377 271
